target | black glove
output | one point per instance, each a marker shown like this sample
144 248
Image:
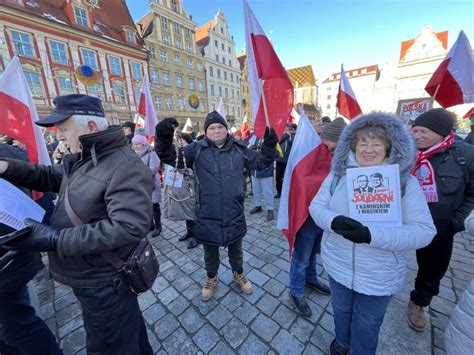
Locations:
41 238
165 128
358 235
343 223
270 139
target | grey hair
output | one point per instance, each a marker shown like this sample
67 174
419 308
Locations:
372 132
82 120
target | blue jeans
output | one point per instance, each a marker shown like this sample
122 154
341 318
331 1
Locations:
357 318
303 260
21 329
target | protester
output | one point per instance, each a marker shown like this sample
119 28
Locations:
308 238
445 170
262 185
470 137
285 143
61 150
366 264
179 194
129 131
104 206
190 132
150 159
218 161
21 330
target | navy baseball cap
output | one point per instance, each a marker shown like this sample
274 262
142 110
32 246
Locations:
75 104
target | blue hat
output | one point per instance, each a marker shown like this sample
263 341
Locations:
75 104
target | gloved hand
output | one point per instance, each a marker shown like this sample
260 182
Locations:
358 235
41 238
343 223
270 138
165 128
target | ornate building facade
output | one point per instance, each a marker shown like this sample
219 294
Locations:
177 77
305 89
244 84
76 46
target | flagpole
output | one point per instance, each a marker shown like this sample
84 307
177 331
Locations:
436 91
262 83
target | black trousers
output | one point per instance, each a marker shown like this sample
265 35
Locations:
112 319
279 174
157 215
212 260
433 261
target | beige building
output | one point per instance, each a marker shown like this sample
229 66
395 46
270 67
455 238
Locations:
176 68
244 84
305 89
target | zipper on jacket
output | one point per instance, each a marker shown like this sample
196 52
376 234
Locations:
353 265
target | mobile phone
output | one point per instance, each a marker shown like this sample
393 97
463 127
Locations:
15 235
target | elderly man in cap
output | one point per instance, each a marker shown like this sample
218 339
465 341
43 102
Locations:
104 207
218 162
445 170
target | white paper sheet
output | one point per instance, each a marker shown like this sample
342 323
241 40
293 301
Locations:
15 206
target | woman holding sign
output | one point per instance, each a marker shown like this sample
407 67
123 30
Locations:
367 232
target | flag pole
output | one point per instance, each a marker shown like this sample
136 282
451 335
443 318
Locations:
436 91
262 83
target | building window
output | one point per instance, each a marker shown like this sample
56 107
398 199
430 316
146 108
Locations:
119 93
225 75
212 90
88 57
200 86
65 85
189 47
217 57
222 30
181 103
178 44
328 106
174 5
179 81
191 84
218 73
166 78
364 71
58 52
22 44
169 104
187 33
166 39
154 77
329 97
228 50
34 82
238 94
115 66
215 43
190 64
152 52
176 28
232 77
232 92
131 37
211 72
230 63
136 71
158 102
164 22
223 46
199 67
223 60
226 91
95 90
177 59
163 56
329 88
220 90
81 16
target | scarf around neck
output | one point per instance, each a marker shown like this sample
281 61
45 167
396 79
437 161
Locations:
424 172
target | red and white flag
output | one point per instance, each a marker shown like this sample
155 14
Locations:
347 104
308 165
146 108
244 129
18 113
270 87
453 82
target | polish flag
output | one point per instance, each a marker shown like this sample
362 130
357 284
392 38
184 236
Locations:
453 82
308 165
271 89
347 104
146 108
245 128
18 113
221 109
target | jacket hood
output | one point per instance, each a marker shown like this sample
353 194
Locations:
402 151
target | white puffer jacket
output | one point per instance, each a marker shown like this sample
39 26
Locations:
377 268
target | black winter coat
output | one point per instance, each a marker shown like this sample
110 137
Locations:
286 143
267 171
109 190
220 211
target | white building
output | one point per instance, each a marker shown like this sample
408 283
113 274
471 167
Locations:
222 67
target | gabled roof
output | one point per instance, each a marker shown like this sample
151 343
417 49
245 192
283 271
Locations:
406 45
108 18
354 73
304 76
202 33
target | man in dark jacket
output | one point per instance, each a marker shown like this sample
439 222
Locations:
445 170
470 137
107 187
20 328
218 161
285 143
129 131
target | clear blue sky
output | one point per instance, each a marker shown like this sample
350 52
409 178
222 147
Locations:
327 33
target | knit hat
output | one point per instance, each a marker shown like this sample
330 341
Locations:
186 137
332 130
214 117
130 125
326 119
438 120
139 137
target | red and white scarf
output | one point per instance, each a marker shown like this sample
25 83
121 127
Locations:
424 172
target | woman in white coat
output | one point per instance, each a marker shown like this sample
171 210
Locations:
366 264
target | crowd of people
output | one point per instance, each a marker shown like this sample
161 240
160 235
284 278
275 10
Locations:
112 188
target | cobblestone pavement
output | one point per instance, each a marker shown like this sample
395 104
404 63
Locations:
261 323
